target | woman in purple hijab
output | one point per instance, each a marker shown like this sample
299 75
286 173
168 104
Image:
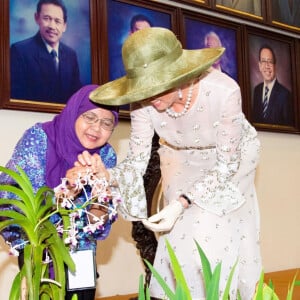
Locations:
47 151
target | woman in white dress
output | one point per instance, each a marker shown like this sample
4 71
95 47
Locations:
208 156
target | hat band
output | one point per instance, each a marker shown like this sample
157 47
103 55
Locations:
155 65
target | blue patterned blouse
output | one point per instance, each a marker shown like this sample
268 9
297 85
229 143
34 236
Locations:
30 155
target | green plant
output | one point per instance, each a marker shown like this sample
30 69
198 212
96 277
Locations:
211 279
211 282
32 215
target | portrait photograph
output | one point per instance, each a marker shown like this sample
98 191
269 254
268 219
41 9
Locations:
250 7
286 12
123 20
271 82
50 50
206 35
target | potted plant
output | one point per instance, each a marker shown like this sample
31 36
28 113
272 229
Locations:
31 212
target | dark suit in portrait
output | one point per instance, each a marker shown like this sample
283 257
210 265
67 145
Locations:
279 110
287 12
33 75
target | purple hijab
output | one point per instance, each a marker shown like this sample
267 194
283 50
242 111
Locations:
63 145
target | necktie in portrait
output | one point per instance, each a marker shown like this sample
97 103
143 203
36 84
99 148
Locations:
265 102
55 59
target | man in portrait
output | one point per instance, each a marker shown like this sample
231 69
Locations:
137 22
272 102
42 67
248 6
287 12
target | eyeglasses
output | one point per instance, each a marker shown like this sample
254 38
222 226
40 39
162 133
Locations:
267 62
105 123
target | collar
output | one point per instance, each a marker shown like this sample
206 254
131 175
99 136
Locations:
270 84
49 48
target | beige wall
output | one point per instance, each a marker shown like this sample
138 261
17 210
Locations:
118 260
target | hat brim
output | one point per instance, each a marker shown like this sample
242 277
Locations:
191 64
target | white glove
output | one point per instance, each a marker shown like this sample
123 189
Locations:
166 218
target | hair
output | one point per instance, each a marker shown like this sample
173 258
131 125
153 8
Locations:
265 46
213 34
59 3
138 18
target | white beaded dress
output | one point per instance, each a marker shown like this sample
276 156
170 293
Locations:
211 156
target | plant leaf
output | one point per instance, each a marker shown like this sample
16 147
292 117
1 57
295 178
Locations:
212 292
206 268
15 290
228 284
23 181
17 203
141 288
259 288
161 281
21 221
179 276
28 270
43 198
291 288
21 195
37 256
297 283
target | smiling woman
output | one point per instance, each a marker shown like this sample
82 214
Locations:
47 153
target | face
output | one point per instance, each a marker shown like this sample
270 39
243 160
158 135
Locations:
267 66
51 23
140 25
212 41
92 134
163 101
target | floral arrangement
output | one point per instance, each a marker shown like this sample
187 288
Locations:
96 193
32 212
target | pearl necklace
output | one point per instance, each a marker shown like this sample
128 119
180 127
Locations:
173 114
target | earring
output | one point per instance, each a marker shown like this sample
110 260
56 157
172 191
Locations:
180 94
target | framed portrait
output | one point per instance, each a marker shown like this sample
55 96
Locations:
285 14
205 32
251 9
271 61
121 19
34 79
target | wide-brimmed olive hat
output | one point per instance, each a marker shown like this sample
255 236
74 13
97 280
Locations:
154 62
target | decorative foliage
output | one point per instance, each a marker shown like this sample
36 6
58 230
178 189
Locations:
211 279
211 282
32 212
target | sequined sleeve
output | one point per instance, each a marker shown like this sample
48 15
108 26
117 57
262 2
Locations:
129 173
217 192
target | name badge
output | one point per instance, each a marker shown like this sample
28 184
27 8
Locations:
85 272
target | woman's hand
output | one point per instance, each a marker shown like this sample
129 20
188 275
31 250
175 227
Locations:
93 163
75 173
166 218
